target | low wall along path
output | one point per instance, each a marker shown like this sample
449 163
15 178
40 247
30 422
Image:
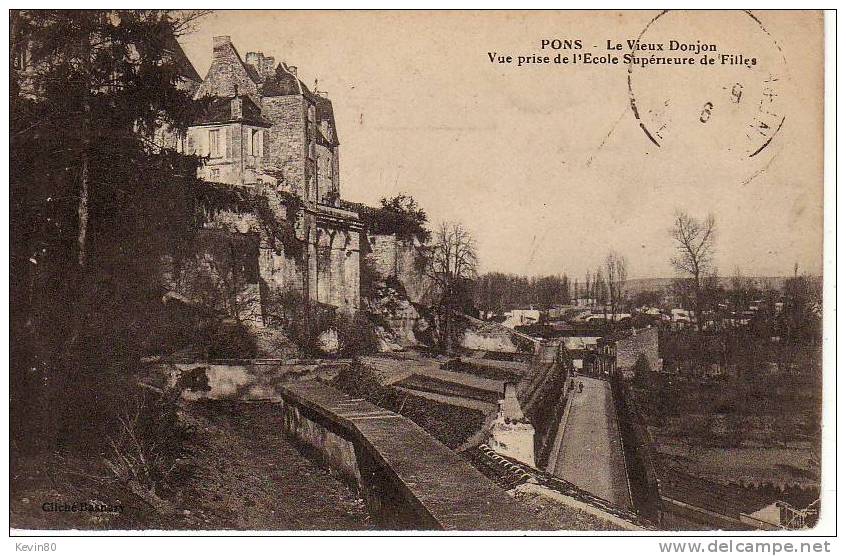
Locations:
409 479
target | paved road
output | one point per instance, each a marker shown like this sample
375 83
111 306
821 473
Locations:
591 455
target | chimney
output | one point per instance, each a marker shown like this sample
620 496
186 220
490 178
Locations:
221 40
237 108
267 66
254 59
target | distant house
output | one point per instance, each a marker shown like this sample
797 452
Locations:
580 349
585 302
522 317
601 317
581 316
682 318
620 351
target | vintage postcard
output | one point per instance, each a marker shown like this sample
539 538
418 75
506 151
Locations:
368 271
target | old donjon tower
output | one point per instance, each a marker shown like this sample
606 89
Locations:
262 129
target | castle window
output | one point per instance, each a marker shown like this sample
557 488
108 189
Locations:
255 142
214 143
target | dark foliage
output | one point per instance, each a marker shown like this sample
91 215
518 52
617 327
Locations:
95 203
147 447
546 408
501 292
227 339
398 215
304 323
357 334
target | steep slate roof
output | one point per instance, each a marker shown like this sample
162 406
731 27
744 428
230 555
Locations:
251 71
228 74
282 83
186 68
325 113
219 110
307 93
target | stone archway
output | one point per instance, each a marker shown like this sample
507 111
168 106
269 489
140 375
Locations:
323 265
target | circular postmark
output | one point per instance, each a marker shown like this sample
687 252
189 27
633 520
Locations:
713 82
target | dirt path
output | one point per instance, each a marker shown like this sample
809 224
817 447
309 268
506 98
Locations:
244 475
251 477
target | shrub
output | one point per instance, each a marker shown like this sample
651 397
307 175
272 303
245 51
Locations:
146 451
286 309
357 334
641 369
229 339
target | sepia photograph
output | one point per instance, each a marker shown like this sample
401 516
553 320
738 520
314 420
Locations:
525 272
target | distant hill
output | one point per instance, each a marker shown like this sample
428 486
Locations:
637 285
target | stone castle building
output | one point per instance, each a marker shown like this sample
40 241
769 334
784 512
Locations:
259 128
276 231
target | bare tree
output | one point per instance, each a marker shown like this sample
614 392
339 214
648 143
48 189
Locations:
451 266
600 288
616 273
694 259
741 291
222 275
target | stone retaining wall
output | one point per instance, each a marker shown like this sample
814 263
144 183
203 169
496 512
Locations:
644 481
408 479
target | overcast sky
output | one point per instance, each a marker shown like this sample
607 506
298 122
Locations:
547 165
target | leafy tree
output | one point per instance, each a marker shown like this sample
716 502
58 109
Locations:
400 215
95 201
406 208
800 320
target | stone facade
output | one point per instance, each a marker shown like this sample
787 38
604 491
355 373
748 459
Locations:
262 128
234 140
400 258
644 342
620 352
